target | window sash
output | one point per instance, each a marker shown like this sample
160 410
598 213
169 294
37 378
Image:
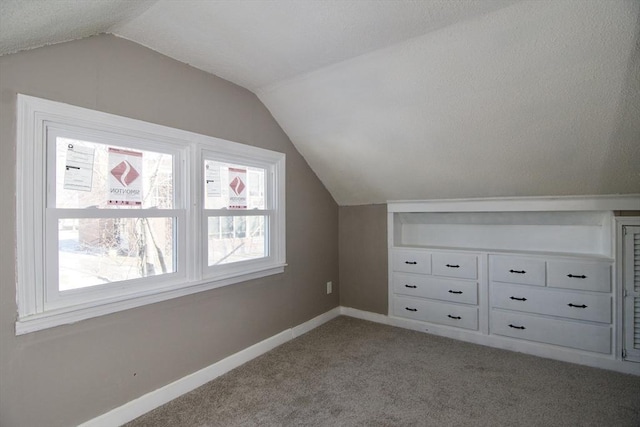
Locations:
53 298
268 164
223 270
274 227
57 130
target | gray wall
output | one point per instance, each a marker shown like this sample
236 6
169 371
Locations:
69 374
363 257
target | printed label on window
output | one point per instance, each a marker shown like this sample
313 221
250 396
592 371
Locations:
125 183
78 173
212 180
238 188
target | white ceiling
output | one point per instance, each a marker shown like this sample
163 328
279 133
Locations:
26 24
403 99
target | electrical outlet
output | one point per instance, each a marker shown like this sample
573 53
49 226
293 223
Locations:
329 287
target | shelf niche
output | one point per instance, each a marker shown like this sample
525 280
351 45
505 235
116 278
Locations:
557 232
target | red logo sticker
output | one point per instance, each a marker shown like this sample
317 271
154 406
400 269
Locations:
237 185
125 173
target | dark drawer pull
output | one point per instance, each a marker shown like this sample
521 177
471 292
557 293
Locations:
453 266
576 277
410 286
454 317
517 299
517 271
410 262
455 292
411 309
577 306
516 327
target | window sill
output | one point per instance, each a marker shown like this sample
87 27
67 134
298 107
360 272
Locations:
70 315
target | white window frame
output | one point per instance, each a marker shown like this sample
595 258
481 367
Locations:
268 161
39 307
52 298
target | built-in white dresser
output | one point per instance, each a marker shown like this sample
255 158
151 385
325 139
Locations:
533 275
553 300
437 287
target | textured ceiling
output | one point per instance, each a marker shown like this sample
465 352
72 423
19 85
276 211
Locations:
259 43
405 99
540 98
25 24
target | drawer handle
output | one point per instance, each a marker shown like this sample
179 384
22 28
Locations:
516 327
577 306
454 317
410 286
410 262
518 299
576 277
453 266
517 271
411 309
455 292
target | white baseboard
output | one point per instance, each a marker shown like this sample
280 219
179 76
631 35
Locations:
365 315
315 322
140 406
535 349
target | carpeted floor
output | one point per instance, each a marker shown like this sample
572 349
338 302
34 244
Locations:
350 372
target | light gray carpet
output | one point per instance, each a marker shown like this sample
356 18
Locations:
350 372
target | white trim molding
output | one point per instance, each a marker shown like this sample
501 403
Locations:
152 400
315 322
366 315
42 302
546 351
616 202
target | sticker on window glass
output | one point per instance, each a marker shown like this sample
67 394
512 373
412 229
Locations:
125 181
212 181
238 188
78 173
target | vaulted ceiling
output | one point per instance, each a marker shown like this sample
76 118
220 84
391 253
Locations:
406 99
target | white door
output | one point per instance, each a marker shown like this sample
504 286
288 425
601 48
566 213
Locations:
631 284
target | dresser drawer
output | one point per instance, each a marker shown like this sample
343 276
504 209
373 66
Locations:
429 311
573 305
412 261
527 271
568 333
461 266
584 276
436 288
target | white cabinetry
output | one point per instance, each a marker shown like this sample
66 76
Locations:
518 270
570 305
530 307
438 294
528 274
581 336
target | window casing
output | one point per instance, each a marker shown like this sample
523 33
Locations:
114 213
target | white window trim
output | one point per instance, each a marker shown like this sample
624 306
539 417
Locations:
276 247
32 116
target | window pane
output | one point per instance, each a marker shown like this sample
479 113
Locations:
97 175
236 238
233 186
104 250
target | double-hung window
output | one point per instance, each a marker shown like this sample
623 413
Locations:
113 217
114 213
240 207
